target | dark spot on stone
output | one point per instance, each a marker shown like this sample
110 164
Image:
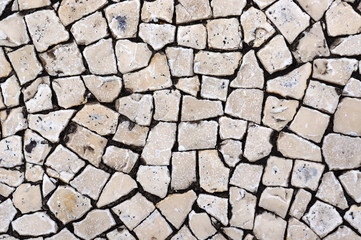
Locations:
29 148
122 22
131 126
88 148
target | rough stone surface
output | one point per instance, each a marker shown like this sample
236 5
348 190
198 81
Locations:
7 212
35 224
330 191
232 128
10 152
216 64
137 107
351 182
183 169
234 7
189 85
201 135
231 151
13 121
353 216
154 226
300 203
299 230
247 176
348 117
201 226
276 199
214 88
120 159
157 35
346 46
224 34
306 174
180 61
277 171
154 179
192 10
258 143
193 36
16 34
130 133
194 109
105 89
158 10
166 105
352 88
269 226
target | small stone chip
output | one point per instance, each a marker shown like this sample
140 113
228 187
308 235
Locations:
300 203
277 171
331 192
158 10
194 109
35 224
352 88
351 182
193 36
224 34
27 198
105 89
11 154
269 226
247 176
276 199
154 179
157 35
197 135
214 206
13 122
153 227
180 61
258 143
306 174
192 10
36 148
183 169
189 85
215 63
201 226
347 118
130 133
13 31
120 159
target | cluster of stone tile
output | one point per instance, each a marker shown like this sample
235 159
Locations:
188 119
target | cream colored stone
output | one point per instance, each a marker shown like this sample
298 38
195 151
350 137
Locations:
96 222
214 88
33 172
50 125
153 227
7 212
262 4
100 57
36 148
13 31
275 55
158 10
198 135
201 225
348 117
10 90
154 77
130 133
232 128
131 55
154 179
48 185
352 88
63 60
13 122
120 233
306 174
247 176
166 105
27 198
224 34
72 10
343 232
63 164
130 213
346 46
276 199
330 191
277 172
184 233
64 234
299 230
256 27
31 90
119 185
123 18
180 61
45 29
233 233
215 63
322 218
213 175
41 101
25 63
353 216
351 182
5 67
97 118
269 226
233 7
11 154
214 206
183 169
158 148
300 203
292 146
175 207
315 9
105 89
35 224
6 190
192 10
90 181
194 109
12 178
231 151
258 143
310 124
86 144
335 70
69 91
157 35
189 85
120 159
193 36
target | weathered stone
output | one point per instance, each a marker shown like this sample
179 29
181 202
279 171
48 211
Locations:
35 224
346 46
262 4
233 7
7 212
45 29
11 154
258 143
130 133
193 36
120 233
198 135
184 233
189 85
299 230
10 90
13 122
213 175
343 232
12 178
64 234
216 64
269 226
194 109
247 176
192 10
48 185
158 10
276 199
157 35
351 182
231 151
306 174
154 226
183 169
33 172
300 203
233 233
214 206
30 91
352 88
5 67
41 98
214 88
13 31
166 105
201 225
6 190
120 159
353 216
224 34
277 171
330 191
36 148
315 9
154 179
348 117
105 89
180 61
28 4
232 128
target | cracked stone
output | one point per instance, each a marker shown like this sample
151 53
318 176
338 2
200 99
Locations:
10 90
153 227
192 10
189 85
214 88
180 61
5 67
351 182
105 89
120 233
130 133
353 216
343 232
346 46
64 234
352 88
120 159
184 233
7 212
276 199
13 31
12 178
299 230
11 154
315 9
158 10
231 151
258 143
330 191
232 128
13 122
214 206
33 172
36 148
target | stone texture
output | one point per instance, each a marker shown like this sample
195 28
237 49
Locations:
306 174
341 233
105 89
12 178
35 224
166 105
33 172
277 172
300 203
232 128
130 133
13 121
330 191
38 95
184 233
215 63
180 61
193 36
346 46
299 230
137 107
231 151
11 154
351 182
192 10
154 226
224 34
189 85
69 91
120 233
276 199
5 67
214 88
27 198
247 176
352 88
201 226
194 109
353 216
348 117
214 206
154 179
7 212
198 135
269 226
157 35
10 90
233 7
315 9
120 159
158 10
233 233
36 148
183 169
258 143
15 35
64 234
27 4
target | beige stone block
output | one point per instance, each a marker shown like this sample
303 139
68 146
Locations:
214 206
166 105
277 171
269 226
184 233
353 216
130 133
157 35
352 88
306 174
183 169
180 61
5 67
276 199
224 34
315 9
36 148
13 31
27 198
10 90
299 230
154 179
158 10
13 121
247 176
8 212
192 10
154 226
193 36
343 232
232 128
346 46
243 208
12 178
215 63
11 154
194 109
120 159
300 203
198 135
35 224
330 191
201 226
231 151
258 142
214 88
105 89
351 182
33 172
347 118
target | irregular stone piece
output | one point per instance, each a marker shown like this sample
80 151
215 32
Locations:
45 29
299 230
257 28
13 122
97 118
105 89
321 96
13 31
120 159
348 117
322 218
300 203
233 233
306 174
123 18
258 143
261 4
184 233
189 85
292 146
5 190
337 71
193 36
35 224
36 148
213 175
224 34
315 9
11 151
175 207
63 60
86 144
198 135
214 88
312 44
90 29
288 18
216 64
166 105
33 172
7 212
27 198
131 55
27 4
330 191
158 10
64 234
277 172
161 138
201 225
276 199
351 182
25 63
346 46
12 178
232 128
269 226
120 233
154 179
10 90
343 232
180 61
231 151
119 185
130 213
67 204
352 88
96 222
353 216
100 57
194 109
157 35
214 206
310 124
183 169
247 176
153 227
63 164
192 10
41 100
5 67
50 125
90 181
72 10
154 77
131 134
233 7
